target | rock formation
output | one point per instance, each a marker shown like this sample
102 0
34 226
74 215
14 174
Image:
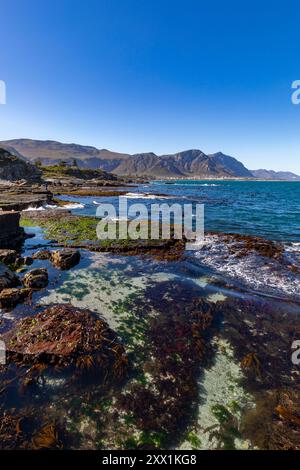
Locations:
13 168
11 234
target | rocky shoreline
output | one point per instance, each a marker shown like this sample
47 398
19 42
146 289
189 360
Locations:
99 339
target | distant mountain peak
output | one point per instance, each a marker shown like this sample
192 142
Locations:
186 163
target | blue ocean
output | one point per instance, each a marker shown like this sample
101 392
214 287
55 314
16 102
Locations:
268 209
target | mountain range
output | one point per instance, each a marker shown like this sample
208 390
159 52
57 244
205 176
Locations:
188 163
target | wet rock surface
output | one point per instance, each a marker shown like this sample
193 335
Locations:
12 258
42 254
8 278
65 259
252 263
9 298
242 245
8 256
36 278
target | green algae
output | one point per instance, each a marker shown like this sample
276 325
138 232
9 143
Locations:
75 229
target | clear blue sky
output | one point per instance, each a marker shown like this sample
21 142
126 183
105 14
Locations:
153 75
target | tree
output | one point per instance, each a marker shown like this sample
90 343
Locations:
75 162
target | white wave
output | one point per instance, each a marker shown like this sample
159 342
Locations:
269 276
144 196
30 208
293 247
72 205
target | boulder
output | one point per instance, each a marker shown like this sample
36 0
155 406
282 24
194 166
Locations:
36 278
11 257
65 259
8 278
9 298
8 256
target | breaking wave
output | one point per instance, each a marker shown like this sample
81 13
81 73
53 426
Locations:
278 276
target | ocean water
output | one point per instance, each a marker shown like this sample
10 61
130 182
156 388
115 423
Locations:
267 209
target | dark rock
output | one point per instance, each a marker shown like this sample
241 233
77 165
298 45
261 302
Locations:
36 278
9 298
65 259
242 245
42 254
11 257
8 278
27 260
11 234
18 197
8 256
13 168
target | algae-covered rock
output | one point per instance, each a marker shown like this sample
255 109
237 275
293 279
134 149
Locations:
36 278
9 298
65 259
42 254
65 335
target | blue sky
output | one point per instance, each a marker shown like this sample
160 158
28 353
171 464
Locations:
160 76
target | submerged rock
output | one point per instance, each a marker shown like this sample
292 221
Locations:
36 278
64 335
9 298
7 278
65 259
